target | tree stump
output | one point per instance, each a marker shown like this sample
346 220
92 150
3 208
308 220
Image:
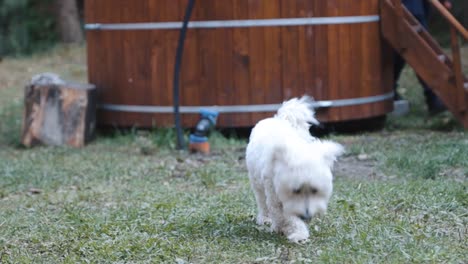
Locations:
58 112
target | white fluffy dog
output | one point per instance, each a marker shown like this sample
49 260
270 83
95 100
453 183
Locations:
289 170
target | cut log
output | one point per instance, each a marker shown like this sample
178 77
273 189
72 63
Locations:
58 112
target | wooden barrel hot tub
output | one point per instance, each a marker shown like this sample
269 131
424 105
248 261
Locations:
244 57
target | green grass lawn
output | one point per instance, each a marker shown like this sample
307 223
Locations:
400 194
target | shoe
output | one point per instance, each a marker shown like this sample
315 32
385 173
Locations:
397 96
435 105
400 105
400 108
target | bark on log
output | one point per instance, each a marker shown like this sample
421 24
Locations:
58 112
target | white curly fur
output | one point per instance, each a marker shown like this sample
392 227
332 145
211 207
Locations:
289 170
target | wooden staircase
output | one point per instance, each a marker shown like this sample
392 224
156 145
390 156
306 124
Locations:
442 74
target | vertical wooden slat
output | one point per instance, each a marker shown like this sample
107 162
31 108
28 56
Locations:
226 92
241 63
159 84
302 49
333 60
209 49
171 12
320 82
345 50
136 59
364 57
272 47
114 65
93 56
307 50
257 59
460 94
290 53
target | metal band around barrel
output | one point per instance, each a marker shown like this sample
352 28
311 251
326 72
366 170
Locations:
236 23
241 108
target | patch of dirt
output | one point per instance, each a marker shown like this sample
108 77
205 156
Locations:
359 167
356 167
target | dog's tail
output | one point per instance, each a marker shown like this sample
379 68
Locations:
299 112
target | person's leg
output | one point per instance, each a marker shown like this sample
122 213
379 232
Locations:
400 106
398 65
434 104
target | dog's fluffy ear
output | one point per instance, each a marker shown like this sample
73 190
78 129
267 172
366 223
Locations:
330 151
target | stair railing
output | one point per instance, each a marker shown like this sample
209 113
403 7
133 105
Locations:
455 29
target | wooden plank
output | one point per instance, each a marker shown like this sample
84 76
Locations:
120 45
321 85
160 85
307 51
346 82
425 35
272 47
241 62
306 42
422 58
208 53
384 83
89 11
291 79
460 94
365 62
136 57
93 40
226 92
320 82
333 40
257 59
105 49
171 12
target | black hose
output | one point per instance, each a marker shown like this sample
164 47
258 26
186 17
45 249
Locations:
177 66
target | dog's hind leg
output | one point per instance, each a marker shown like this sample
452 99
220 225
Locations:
263 214
274 206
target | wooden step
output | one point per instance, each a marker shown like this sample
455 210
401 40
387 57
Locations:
426 57
418 28
442 57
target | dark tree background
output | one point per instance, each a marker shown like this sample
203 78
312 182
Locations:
68 21
27 26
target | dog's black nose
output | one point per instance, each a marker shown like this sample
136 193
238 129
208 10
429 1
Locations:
305 217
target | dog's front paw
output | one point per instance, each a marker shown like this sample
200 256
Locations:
263 220
299 238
